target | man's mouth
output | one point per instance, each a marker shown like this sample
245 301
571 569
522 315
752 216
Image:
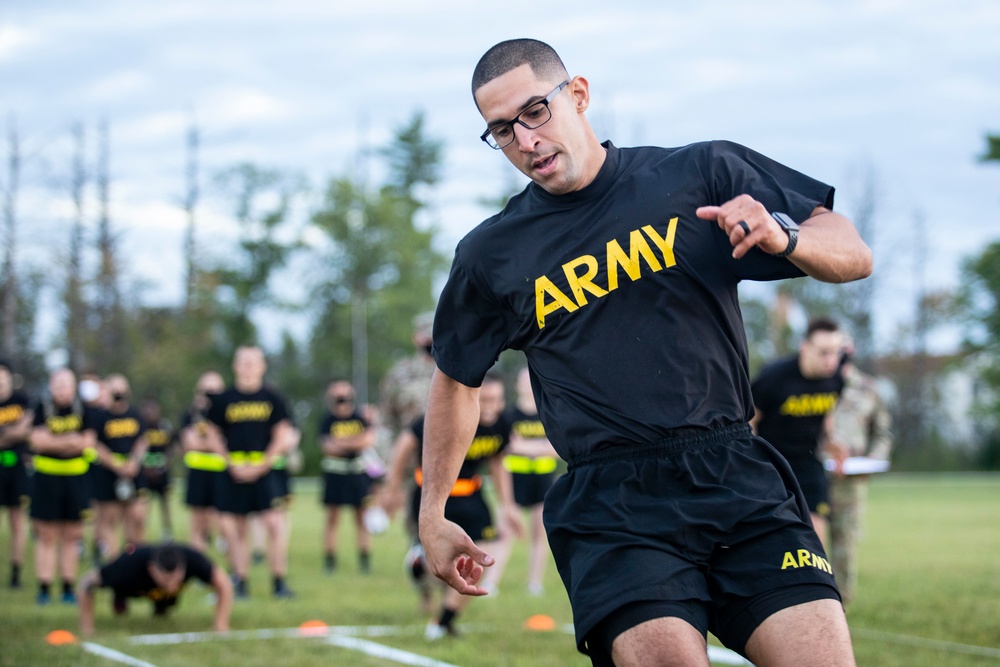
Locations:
544 164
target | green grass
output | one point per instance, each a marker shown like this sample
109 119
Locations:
929 570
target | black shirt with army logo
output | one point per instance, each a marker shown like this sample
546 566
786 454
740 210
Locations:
12 410
527 426
159 438
128 575
73 418
793 408
247 420
120 431
622 299
343 427
488 442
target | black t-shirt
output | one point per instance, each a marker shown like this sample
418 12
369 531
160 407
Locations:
623 301
488 442
74 418
119 432
247 420
128 575
159 437
527 426
343 427
793 407
12 410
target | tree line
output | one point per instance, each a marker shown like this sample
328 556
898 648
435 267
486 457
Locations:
371 263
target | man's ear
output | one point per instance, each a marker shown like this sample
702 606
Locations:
580 91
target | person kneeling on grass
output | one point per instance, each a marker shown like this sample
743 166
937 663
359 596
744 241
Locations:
158 573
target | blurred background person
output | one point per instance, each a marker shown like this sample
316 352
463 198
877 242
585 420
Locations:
532 462
154 475
860 426
792 397
121 447
157 573
15 427
204 460
344 435
251 420
63 438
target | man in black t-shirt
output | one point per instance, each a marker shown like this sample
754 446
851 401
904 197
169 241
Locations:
154 475
63 438
121 446
792 398
466 505
532 463
615 271
157 573
15 425
344 434
204 460
252 420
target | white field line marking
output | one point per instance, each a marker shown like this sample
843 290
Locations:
112 654
379 651
272 633
922 642
723 656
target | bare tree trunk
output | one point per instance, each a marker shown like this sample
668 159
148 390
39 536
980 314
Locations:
110 326
10 286
190 201
75 310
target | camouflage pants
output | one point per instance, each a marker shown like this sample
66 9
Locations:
848 500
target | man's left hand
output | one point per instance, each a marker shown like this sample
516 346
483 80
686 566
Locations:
747 224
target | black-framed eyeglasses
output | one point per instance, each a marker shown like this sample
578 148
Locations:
538 114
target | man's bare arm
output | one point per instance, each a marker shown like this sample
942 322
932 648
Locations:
829 247
450 426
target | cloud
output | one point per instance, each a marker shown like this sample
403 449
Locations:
14 39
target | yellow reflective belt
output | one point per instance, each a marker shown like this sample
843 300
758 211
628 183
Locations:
246 458
524 465
204 461
64 467
342 466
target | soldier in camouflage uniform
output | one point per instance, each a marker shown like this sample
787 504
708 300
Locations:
859 426
403 394
404 388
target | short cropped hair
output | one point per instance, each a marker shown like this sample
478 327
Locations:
511 54
821 324
169 558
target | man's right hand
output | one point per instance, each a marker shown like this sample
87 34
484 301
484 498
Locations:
452 555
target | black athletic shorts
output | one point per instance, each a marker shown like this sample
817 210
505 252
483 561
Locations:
153 481
60 497
103 481
709 522
203 487
284 481
471 513
259 496
530 489
15 486
350 489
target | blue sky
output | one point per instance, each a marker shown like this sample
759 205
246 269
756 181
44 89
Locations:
899 92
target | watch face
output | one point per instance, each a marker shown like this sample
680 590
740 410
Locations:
785 221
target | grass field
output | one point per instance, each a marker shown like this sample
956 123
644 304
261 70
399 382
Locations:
929 595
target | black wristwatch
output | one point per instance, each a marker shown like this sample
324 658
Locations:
791 228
